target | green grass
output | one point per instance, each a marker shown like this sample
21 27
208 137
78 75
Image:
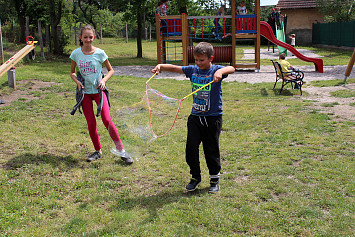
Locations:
330 104
287 169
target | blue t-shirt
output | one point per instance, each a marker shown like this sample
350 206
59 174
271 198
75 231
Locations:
90 67
208 101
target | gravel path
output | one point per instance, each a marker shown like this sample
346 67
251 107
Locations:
266 73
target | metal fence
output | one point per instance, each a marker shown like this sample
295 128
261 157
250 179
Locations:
337 34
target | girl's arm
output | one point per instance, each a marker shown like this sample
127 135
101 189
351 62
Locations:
167 67
73 75
109 74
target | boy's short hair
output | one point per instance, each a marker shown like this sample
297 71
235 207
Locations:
204 48
282 56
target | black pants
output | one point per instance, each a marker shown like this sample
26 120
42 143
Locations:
205 129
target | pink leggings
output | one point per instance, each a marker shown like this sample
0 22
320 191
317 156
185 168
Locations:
106 119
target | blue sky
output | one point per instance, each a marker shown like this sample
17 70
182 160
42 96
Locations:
268 2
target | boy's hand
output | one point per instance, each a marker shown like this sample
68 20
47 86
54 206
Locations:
217 76
156 69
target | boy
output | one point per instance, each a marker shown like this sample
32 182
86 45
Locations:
278 17
286 67
205 121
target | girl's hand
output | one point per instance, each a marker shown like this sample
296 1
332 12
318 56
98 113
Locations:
102 85
79 85
156 69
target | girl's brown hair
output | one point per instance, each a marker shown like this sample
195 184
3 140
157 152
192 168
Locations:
86 27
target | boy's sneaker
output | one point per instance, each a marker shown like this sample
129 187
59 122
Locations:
94 156
124 156
214 187
193 184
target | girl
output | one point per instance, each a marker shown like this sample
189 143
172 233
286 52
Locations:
220 12
242 9
89 60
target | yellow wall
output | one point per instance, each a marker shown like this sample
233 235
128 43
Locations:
301 18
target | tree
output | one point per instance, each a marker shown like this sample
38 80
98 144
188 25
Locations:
337 10
55 14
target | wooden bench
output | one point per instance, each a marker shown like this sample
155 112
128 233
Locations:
295 78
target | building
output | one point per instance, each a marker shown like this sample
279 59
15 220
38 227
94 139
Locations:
301 14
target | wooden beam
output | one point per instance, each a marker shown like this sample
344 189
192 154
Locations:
257 43
233 32
185 39
157 23
16 58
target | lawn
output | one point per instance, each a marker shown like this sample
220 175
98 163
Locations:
287 169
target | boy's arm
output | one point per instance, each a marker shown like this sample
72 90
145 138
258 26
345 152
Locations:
223 71
167 67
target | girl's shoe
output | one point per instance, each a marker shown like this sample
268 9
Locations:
124 156
94 156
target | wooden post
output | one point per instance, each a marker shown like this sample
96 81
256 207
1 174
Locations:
150 32
1 46
126 33
75 36
41 39
257 43
13 31
101 40
233 33
27 31
48 38
185 39
27 26
350 66
157 20
11 78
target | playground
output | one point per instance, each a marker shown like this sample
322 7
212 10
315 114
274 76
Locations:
287 160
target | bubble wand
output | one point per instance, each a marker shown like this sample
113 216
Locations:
164 96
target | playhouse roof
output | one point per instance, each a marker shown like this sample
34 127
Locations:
292 4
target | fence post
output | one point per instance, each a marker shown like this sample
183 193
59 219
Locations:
350 66
150 32
48 38
11 78
27 31
1 46
41 39
126 33
101 40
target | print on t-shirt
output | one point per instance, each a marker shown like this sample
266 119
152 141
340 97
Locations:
201 99
86 67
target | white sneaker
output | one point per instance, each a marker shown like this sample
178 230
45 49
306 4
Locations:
124 156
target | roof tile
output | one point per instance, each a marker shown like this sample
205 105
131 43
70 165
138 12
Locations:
291 4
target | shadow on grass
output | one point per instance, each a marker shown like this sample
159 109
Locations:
155 202
4 84
31 159
284 92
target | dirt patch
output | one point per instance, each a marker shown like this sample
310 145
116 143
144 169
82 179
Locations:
25 90
336 107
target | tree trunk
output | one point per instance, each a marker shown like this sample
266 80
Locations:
139 35
56 15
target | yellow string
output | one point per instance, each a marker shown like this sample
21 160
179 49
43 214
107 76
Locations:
151 78
198 90
188 94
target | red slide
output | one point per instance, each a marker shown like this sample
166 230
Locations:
266 31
